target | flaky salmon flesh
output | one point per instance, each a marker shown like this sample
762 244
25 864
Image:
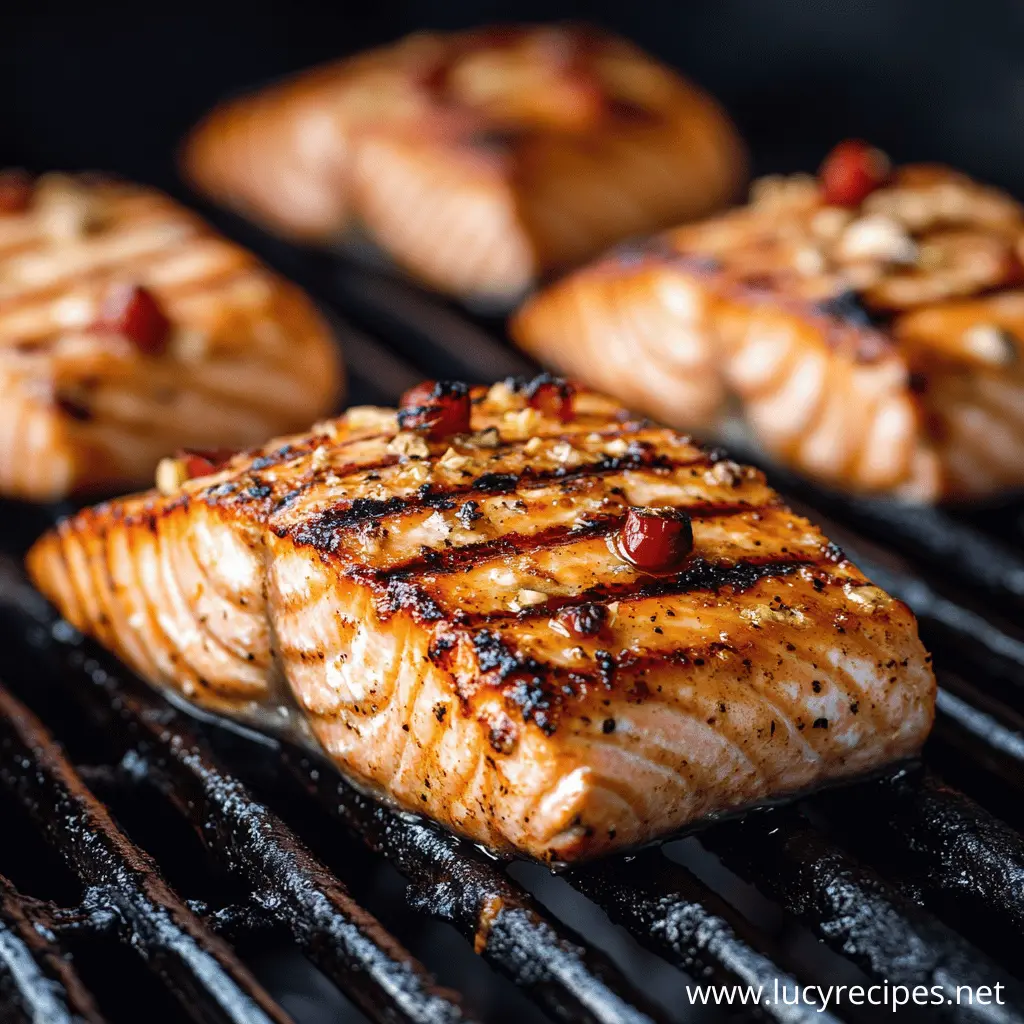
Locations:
458 625
874 346
129 328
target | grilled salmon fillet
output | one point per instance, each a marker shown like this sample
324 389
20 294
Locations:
129 328
476 160
462 622
866 330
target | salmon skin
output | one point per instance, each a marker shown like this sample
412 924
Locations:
873 346
462 626
476 161
129 328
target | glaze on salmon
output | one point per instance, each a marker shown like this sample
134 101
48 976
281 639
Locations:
873 345
454 623
476 160
128 328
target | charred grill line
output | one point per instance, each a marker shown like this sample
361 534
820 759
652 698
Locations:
701 575
455 559
199 968
955 549
450 560
321 530
36 982
932 535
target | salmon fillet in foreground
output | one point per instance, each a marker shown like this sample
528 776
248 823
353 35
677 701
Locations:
554 630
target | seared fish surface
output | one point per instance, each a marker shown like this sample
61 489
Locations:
462 622
129 328
476 160
867 330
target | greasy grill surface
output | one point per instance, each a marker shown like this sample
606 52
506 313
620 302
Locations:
908 879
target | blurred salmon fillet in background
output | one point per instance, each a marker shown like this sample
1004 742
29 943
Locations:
128 328
865 324
478 161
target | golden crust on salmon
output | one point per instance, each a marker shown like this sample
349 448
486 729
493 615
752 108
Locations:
129 328
477 160
462 624
867 330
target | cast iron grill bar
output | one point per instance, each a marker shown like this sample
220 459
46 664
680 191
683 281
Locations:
36 982
963 858
339 936
860 915
452 881
670 911
375 373
236 921
211 984
986 731
423 326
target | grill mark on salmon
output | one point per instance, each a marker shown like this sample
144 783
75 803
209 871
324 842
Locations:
149 263
494 482
702 576
428 655
322 532
451 560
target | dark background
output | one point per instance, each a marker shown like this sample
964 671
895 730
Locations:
115 86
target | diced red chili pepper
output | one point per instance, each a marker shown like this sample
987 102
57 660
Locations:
421 394
585 620
15 191
203 461
134 312
437 410
851 172
656 539
552 396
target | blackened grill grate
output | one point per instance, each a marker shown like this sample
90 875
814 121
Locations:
908 880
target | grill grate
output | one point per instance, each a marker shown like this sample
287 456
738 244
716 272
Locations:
907 879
